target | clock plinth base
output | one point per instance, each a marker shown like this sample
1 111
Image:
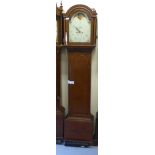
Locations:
78 131
76 143
59 125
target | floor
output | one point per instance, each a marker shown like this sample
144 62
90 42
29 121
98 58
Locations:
67 150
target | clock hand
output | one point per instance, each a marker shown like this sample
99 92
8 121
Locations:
78 30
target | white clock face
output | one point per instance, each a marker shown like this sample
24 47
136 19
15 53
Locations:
80 28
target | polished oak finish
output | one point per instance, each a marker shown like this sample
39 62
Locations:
79 121
79 93
78 125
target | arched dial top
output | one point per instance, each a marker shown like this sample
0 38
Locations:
80 25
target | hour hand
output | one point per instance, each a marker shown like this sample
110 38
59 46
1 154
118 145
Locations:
77 29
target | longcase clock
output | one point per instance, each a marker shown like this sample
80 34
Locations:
80 39
59 107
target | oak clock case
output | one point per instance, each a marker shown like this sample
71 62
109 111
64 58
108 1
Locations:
80 39
59 107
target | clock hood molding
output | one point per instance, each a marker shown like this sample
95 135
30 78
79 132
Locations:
75 8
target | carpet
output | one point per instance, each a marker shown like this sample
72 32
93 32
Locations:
67 150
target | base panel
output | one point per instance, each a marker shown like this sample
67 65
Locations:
78 131
76 143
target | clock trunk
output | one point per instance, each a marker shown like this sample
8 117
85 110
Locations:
78 126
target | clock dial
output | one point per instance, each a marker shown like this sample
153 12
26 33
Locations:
79 28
